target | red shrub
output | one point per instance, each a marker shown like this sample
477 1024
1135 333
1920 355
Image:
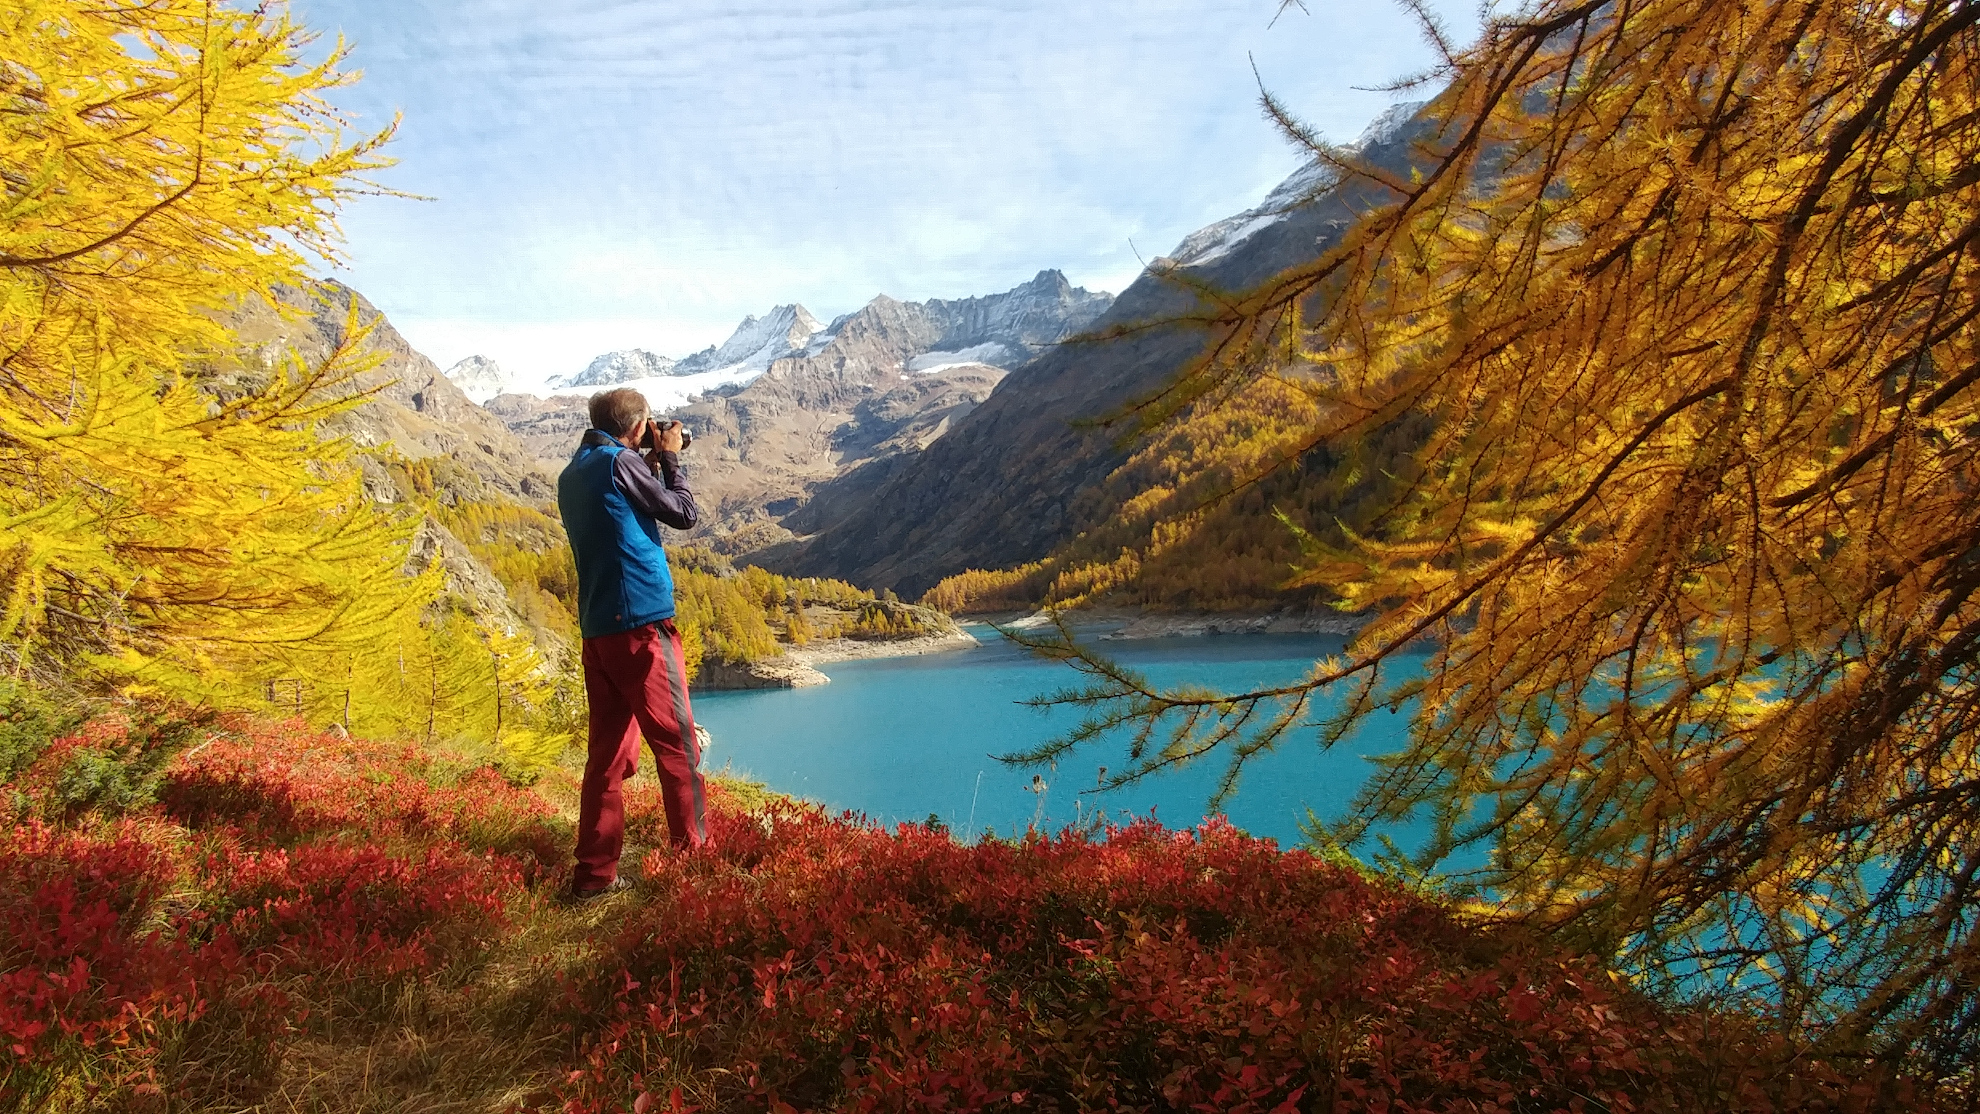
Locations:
355 912
816 963
273 859
809 962
283 788
88 985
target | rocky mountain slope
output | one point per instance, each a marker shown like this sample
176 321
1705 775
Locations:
831 403
415 413
1017 476
415 410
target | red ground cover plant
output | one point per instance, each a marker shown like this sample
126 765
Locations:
352 912
176 903
277 785
89 983
269 855
813 963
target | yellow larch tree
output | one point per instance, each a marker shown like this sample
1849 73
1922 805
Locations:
1684 295
160 162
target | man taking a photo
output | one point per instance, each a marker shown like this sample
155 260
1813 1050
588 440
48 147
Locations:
614 501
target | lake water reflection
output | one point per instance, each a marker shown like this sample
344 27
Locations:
903 738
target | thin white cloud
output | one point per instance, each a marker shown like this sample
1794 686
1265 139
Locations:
612 168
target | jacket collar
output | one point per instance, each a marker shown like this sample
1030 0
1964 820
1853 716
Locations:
598 439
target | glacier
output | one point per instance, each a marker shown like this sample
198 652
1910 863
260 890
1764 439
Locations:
994 353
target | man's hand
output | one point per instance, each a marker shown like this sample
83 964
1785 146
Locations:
667 436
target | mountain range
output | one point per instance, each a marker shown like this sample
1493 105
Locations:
612 367
1027 471
908 441
800 404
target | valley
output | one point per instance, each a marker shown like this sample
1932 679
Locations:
846 449
895 448
1491 626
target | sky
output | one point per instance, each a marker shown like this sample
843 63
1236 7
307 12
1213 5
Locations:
609 174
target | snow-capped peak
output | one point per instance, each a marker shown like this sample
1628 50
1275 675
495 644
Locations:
1388 124
614 368
784 331
479 378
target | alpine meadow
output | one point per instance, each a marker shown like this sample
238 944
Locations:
1632 422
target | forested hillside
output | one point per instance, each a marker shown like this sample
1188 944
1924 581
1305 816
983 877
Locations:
1214 513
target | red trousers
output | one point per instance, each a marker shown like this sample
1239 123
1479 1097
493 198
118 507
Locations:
635 683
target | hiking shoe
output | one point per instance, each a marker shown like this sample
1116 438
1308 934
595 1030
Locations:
585 897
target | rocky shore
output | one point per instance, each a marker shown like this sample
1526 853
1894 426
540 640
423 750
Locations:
766 673
1108 624
850 649
797 666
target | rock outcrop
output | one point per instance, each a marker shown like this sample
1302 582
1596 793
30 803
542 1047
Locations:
769 673
547 428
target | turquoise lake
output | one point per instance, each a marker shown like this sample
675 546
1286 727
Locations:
900 739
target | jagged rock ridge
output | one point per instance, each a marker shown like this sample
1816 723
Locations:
784 331
878 383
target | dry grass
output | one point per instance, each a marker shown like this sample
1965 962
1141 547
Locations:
480 1038
482 1045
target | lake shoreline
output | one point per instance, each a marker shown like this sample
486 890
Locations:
858 649
797 666
1108 624
903 737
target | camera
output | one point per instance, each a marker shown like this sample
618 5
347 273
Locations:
649 436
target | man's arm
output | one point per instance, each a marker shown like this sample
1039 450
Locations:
664 496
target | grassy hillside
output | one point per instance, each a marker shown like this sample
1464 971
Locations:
225 913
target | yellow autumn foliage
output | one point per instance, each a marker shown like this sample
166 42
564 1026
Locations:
1682 300
162 161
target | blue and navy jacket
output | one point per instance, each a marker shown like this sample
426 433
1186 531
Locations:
613 503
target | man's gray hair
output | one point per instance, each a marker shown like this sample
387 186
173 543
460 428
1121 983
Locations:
618 412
